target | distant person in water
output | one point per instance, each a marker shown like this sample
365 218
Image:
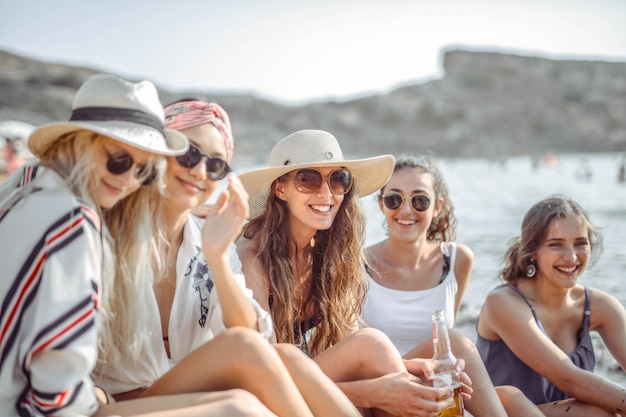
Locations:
534 330
621 173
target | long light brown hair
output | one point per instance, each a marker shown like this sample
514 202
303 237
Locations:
337 286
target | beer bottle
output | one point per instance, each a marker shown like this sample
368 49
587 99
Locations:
444 363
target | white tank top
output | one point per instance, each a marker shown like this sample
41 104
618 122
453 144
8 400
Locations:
406 316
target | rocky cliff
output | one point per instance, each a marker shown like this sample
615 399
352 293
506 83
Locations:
486 105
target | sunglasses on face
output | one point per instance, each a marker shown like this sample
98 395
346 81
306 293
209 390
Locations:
309 181
121 162
393 200
216 168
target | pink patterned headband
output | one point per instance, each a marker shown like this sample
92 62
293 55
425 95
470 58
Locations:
185 114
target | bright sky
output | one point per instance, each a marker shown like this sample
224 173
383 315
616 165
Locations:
299 50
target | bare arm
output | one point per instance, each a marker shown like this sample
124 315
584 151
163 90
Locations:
252 268
506 316
608 318
221 227
463 273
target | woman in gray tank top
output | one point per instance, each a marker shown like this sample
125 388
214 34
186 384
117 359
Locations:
533 331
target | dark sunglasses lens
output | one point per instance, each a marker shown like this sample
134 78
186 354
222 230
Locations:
147 175
216 168
308 180
119 164
190 158
340 181
420 202
392 200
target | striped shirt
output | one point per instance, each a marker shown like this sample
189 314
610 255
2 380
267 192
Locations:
50 268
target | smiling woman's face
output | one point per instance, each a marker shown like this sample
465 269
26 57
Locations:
310 212
111 188
191 187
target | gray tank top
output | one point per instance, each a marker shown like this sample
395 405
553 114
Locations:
507 369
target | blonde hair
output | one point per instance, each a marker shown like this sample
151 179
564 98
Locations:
132 233
337 287
137 230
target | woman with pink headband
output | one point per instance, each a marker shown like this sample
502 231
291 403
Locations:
207 333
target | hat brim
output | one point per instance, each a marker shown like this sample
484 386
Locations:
369 175
140 136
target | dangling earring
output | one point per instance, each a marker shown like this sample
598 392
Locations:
531 270
386 226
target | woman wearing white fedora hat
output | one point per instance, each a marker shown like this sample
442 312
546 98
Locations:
211 335
59 259
301 255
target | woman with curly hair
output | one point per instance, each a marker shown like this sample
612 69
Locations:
418 268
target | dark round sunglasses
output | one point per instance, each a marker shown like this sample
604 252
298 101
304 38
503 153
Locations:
216 168
393 200
121 162
309 181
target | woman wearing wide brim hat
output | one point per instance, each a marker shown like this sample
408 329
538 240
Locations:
313 149
302 257
57 256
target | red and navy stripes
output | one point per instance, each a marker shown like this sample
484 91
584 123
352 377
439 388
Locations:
75 321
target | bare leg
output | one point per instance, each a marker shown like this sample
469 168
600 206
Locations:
516 403
573 408
320 392
485 400
232 403
237 358
365 354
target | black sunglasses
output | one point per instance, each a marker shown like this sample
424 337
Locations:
121 162
216 168
309 181
393 200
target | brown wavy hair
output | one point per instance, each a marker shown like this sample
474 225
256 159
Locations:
534 229
443 227
337 286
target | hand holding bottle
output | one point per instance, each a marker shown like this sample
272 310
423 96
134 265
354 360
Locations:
445 365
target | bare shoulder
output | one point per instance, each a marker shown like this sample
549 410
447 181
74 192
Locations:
502 298
604 305
464 261
464 253
502 311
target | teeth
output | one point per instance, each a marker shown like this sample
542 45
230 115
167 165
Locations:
567 270
323 209
406 222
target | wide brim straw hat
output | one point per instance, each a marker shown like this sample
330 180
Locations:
313 149
128 112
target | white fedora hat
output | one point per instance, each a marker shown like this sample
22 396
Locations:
310 149
129 112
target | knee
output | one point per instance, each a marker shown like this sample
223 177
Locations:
247 345
289 353
241 403
510 395
373 346
461 344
